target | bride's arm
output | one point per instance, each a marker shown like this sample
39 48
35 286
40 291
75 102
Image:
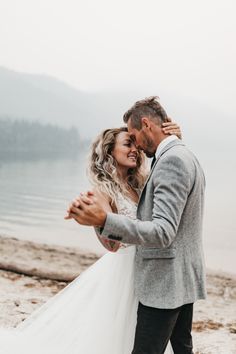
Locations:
110 245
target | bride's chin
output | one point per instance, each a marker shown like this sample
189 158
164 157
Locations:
133 165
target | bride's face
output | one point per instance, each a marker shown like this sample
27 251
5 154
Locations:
125 152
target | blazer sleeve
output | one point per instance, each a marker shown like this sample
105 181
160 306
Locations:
172 185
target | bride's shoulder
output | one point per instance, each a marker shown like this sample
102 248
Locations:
104 198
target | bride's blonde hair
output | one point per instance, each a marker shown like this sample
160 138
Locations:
102 168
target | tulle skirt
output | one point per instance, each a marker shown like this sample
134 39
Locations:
95 314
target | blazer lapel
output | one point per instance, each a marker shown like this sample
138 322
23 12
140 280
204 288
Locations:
166 148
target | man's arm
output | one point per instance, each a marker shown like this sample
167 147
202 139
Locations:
172 184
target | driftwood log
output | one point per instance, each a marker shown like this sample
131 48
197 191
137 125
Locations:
43 261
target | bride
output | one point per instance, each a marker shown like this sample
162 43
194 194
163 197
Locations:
96 313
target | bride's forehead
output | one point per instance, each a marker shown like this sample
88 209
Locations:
123 136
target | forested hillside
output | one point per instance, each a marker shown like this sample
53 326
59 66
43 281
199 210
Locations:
20 137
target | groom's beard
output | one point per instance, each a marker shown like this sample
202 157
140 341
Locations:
149 147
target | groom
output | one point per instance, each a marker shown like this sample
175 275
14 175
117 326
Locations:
169 266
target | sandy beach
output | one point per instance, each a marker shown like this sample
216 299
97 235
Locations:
31 273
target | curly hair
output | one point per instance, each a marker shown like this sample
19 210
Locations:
102 168
149 107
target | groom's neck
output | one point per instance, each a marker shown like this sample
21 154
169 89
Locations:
159 136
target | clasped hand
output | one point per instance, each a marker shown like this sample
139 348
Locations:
87 210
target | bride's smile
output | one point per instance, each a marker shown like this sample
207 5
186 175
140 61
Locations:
125 152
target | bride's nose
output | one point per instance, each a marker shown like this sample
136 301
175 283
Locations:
134 148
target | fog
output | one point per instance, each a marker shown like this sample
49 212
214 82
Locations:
76 63
185 47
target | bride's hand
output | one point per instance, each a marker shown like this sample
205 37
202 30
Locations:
89 210
85 197
171 128
88 197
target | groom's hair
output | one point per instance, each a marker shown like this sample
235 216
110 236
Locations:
149 107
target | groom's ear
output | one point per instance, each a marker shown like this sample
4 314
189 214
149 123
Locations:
146 123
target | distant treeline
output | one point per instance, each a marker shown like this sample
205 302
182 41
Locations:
24 138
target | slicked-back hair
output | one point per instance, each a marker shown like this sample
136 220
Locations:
149 107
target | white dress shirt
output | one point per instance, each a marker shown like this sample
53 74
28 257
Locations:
163 144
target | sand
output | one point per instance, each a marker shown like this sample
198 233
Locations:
32 273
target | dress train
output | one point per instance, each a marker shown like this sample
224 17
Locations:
95 314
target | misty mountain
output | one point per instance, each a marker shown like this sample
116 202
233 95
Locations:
41 98
48 100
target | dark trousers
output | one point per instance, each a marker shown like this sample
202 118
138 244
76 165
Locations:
155 327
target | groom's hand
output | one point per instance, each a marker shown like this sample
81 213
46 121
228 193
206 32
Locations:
87 210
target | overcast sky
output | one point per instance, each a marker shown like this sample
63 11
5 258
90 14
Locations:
184 47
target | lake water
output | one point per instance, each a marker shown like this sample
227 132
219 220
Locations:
35 195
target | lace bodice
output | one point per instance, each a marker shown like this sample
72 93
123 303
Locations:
126 206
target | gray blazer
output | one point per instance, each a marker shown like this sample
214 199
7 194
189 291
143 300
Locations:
169 265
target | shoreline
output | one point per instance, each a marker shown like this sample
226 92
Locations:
31 273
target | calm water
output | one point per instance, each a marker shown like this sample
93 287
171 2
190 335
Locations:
35 195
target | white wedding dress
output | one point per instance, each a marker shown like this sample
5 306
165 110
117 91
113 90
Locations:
94 314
